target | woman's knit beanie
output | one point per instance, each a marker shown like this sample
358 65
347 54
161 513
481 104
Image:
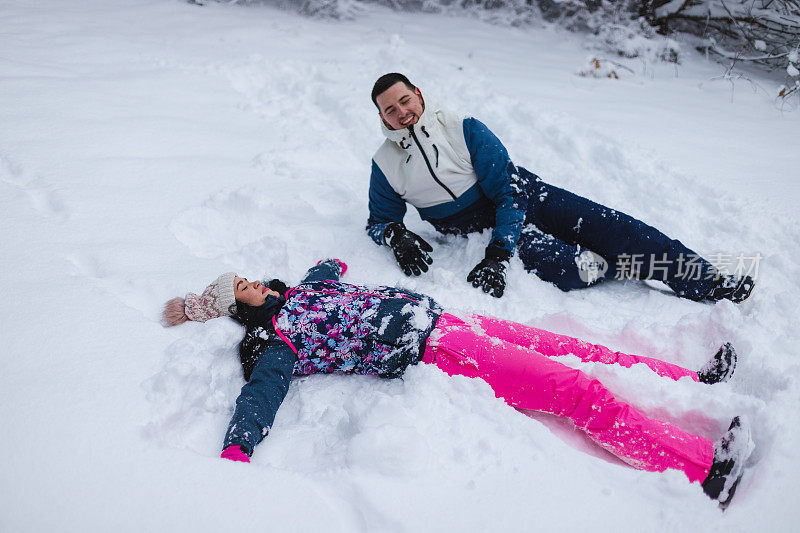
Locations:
217 300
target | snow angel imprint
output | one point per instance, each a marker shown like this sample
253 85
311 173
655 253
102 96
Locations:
324 325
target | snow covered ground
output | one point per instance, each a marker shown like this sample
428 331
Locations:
148 145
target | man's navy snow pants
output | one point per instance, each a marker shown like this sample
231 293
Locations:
560 226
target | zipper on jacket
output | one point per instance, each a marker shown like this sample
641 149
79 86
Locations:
428 163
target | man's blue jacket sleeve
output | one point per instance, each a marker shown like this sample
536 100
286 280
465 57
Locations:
385 205
494 170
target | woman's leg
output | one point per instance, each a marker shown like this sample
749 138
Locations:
553 344
527 379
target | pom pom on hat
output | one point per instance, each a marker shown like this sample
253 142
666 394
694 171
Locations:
217 300
174 312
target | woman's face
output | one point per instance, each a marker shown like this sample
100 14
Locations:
251 292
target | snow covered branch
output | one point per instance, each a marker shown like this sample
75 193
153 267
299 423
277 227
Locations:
764 32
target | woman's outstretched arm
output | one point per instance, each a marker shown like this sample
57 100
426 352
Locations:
260 398
327 269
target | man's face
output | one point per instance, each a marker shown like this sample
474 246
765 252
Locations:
400 107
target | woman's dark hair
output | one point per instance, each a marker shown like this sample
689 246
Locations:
278 286
257 321
252 317
386 81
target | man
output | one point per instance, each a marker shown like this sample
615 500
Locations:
459 176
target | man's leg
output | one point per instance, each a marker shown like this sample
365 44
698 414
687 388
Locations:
556 261
527 379
553 345
620 239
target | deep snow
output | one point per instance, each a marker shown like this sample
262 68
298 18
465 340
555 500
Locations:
147 146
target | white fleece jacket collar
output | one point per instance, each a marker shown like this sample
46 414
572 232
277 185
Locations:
401 135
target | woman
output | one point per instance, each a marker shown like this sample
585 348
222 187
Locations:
323 326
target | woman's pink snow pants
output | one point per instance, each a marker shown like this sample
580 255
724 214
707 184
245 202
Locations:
515 361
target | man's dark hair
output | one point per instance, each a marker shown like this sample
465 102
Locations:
386 81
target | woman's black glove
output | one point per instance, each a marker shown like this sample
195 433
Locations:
490 274
409 249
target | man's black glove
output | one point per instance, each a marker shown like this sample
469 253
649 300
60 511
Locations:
490 274
409 249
